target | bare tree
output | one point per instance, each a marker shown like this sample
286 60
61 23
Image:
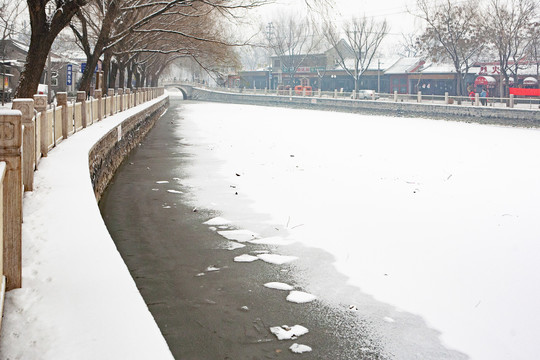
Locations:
47 19
409 45
292 40
453 32
9 12
361 40
511 31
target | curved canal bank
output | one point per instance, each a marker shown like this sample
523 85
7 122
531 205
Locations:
210 306
78 300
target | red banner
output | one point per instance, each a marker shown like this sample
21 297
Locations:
525 92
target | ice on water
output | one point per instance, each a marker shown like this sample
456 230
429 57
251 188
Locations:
273 240
299 348
239 235
285 332
217 221
278 286
300 297
245 258
277 259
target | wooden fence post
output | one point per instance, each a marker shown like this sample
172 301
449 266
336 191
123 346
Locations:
40 104
61 100
81 97
97 95
110 94
10 152
121 99
26 107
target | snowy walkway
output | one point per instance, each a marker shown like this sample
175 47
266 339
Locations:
78 299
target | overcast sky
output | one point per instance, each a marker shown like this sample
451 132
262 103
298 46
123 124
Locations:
394 11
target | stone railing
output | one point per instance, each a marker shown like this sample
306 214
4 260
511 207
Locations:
27 133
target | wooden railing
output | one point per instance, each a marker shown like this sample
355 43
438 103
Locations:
27 133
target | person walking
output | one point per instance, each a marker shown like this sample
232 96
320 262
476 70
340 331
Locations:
483 97
472 95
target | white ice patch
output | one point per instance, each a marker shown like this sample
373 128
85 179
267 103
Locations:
279 286
245 258
299 348
239 235
274 240
217 221
212 268
155 189
389 319
175 191
300 297
162 182
232 245
276 259
213 228
286 333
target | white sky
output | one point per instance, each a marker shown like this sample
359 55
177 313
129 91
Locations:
394 11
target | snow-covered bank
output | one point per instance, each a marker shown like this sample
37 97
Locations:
78 299
435 218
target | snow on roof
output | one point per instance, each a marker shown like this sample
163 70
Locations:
438 68
385 63
404 65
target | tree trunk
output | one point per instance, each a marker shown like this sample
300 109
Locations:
41 40
106 71
113 74
121 75
130 76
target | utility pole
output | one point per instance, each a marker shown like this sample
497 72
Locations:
269 35
378 75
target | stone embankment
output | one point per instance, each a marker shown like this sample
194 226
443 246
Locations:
479 114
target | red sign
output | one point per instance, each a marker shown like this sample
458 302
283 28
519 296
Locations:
525 92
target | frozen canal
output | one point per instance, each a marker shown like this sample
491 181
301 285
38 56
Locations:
400 238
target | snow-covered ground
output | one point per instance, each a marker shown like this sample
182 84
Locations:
436 218
78 299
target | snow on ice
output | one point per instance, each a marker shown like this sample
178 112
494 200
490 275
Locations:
437 218
217 221
285 332
279 286
299 348
277 259
245 258
300 297
238 235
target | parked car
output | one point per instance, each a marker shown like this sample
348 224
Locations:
6 94
367 94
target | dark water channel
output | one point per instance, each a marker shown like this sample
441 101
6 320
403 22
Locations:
227 314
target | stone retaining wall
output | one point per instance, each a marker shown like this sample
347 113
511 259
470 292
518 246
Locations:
107 154
503 116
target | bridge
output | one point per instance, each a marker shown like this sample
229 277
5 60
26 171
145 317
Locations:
184 87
